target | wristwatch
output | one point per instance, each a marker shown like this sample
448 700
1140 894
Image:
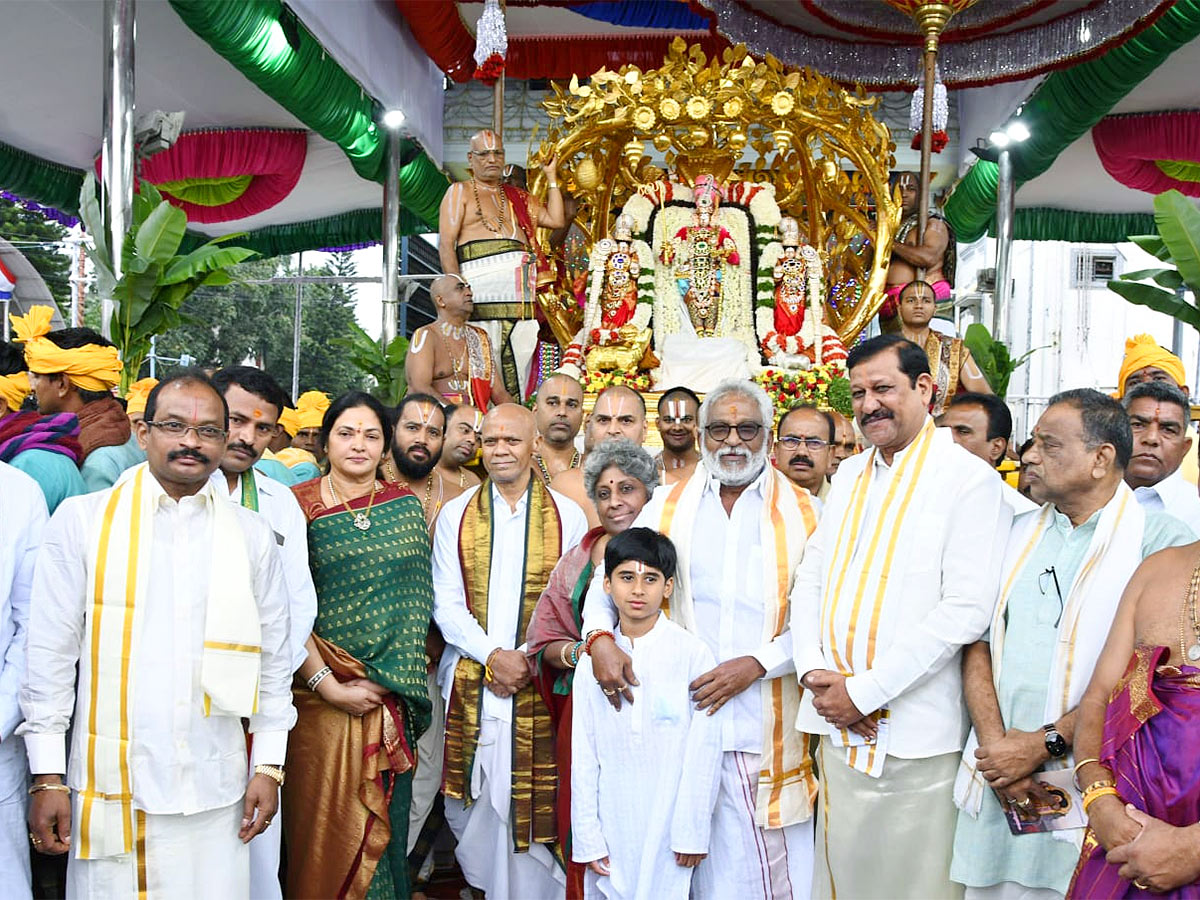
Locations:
275 773
1056 744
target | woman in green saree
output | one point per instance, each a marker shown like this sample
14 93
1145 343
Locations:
361 696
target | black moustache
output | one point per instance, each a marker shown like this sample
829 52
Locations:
799 458
187 454
240 445
881 414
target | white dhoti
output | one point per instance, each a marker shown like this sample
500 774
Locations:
427 779
484 830
264 860
14 833
888 837
744 860
175 857
1010 890
701 363
505 288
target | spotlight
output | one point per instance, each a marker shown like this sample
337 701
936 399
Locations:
998 139
1017 131
392 119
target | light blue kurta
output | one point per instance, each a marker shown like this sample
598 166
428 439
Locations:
273 468
985 851
56 474
104 465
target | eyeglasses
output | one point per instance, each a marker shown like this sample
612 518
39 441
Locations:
208 433
791 442
1044 585
719 431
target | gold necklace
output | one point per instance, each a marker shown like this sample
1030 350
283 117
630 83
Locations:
457 384
1192 652
546 476
362 518
500 204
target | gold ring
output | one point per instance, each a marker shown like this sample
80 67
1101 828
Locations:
622 687
1140 885
1024 803
267 823
608 692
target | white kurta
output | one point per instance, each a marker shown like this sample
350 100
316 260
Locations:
1173 495
278 505
484 830
22 520
183 763
644 778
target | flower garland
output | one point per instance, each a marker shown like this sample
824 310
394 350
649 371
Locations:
595 382
823 386
491 43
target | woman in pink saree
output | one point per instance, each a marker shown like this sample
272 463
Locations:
1138 739
619 477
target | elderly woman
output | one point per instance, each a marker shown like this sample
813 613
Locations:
619 477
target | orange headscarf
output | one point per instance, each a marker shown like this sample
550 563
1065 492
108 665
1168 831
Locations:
1142 350
90 367
139 392
14 389
310 409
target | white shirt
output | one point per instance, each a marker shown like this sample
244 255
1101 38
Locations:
22 519
279 506
948 590
644 778
1174 496
1016 501
182 761
464 635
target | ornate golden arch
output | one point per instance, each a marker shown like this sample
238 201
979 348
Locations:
828 157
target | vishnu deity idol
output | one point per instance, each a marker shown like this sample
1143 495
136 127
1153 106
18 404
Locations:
487 234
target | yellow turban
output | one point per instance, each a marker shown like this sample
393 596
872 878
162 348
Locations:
310 410
1142 350
139 391
14 389
287 421
294 456
90 367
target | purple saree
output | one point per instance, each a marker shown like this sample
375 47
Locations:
1150 744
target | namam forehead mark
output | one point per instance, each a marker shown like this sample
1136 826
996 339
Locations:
640 567
486 140
675 408
906 180
425 410
917 292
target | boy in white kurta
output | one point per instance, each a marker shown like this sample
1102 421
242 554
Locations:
643 777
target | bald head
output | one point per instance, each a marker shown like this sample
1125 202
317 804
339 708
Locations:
559 410
620 411
486 156
452 296
507 436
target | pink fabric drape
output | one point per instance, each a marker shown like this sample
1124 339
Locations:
275 159
1129 147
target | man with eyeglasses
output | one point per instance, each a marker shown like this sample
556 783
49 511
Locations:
803 447
899 576
1065 569
171 602
255 402
740 529
487 234
678 413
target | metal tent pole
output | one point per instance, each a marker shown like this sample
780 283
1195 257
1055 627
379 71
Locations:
116 149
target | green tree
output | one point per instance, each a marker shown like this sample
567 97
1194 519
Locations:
253 324
49 257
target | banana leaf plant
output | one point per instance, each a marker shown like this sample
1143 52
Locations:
385 365
1177 243
993 358
155 281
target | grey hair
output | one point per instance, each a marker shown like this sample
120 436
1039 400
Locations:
1161 392
741 387
626 456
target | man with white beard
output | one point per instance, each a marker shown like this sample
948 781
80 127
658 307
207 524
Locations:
740 527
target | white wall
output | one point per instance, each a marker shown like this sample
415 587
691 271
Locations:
1085 328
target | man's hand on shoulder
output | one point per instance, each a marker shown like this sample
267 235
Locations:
716 687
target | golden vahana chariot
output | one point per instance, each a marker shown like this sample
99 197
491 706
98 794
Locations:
734 215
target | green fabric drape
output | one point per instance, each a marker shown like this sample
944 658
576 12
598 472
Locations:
360 226
1044 224
309 84
40 180
1065 106
207 191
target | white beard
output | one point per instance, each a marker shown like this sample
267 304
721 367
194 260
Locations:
730 476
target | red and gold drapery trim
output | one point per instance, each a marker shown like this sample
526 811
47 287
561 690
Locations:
1153 153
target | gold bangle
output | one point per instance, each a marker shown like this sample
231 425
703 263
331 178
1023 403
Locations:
1079 765
1096 785
1093 796
48 786
488 675
275 773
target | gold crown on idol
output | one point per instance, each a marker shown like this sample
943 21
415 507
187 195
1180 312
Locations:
735 118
